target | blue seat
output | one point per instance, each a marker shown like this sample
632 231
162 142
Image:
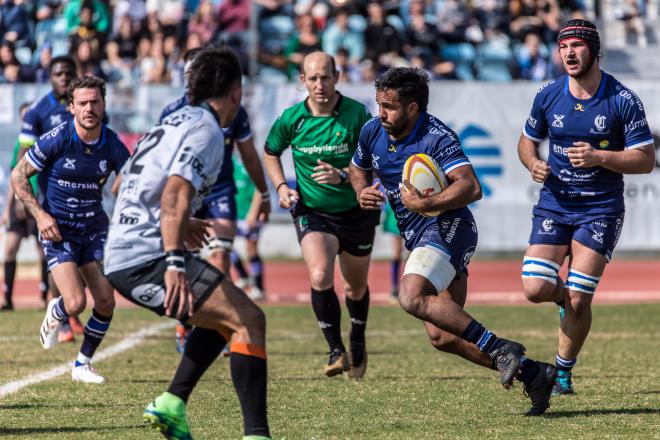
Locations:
493 61
463 56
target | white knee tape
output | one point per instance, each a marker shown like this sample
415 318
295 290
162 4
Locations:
540 268
581 282
433 264
220 244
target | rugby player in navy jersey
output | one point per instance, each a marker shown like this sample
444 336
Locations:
434 284
597 132
42 116
74 161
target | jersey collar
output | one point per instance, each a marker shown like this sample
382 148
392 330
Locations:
599 92
206 106
76 138
335 110
411 135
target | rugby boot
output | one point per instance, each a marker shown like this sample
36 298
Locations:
76 326
167 414
86 374
563 383
539 389
508 359
50 327
337 363
357 360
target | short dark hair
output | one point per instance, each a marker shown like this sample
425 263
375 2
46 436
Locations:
412 85
61 59
85 82
191 53
212 74
24 106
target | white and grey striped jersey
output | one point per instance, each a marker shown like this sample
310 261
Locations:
188 143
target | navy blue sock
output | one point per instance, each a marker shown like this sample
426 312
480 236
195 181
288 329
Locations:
59 312
257 271
564 364
94 332
238 265
395 266
43 285
483 338
10 274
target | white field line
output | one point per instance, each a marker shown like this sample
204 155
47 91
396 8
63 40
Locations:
125 344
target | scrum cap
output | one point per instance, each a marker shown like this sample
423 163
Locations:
584 30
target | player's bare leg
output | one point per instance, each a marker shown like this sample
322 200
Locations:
319 251
540 282
226 314
354 271
576 323
447 342
222 235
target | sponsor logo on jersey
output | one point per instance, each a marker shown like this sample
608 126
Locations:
76 185
634 125
604 143
55 120
558 122
88 151
69 164
409 234
392 148
126 219
579 107
467 256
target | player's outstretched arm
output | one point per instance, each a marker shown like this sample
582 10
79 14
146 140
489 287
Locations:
287 196
639 160
528 152
20 176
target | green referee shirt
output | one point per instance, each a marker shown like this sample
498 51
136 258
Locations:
333 139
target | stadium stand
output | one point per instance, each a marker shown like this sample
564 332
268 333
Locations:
142 41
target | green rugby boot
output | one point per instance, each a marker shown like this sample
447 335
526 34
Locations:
167 414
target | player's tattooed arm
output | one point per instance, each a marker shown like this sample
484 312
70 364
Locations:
20 176
528 152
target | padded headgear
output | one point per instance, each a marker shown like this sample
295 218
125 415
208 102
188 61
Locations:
584 30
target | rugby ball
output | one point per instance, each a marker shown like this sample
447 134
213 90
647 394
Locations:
424 173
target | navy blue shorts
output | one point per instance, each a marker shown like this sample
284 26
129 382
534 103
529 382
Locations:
223 206
456 237
599 233
74 249
245 231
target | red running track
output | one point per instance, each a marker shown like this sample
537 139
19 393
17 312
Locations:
490 282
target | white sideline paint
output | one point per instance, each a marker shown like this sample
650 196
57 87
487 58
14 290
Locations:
125 344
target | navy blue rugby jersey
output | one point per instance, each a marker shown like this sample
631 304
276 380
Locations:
377 152
238 130
42 116
72 175
613 120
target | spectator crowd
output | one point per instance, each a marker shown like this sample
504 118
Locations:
143 41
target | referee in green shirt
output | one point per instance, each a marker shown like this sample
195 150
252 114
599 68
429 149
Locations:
323 132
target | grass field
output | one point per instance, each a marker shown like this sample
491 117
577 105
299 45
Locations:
410 390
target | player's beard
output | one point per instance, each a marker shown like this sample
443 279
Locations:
89 125
586 68
397 127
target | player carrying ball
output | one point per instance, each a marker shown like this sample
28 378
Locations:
434 283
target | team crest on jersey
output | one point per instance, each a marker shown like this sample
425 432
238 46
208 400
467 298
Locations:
559 121
103 166
579 107
408 234
69 164
599 122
